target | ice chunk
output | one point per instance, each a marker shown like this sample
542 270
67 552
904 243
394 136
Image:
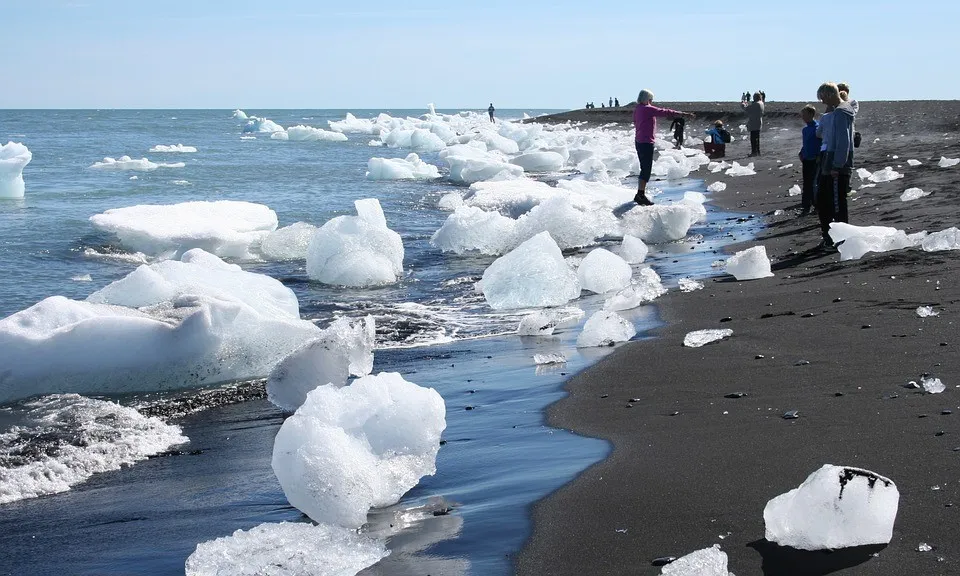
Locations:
551 358
863 173
706 562
450 201
661 222
227 228
533 275
699 338
303 133
633 250
85 437
261 125
602 271
689 284
239 114
785 166
948 239
835 507
539 161
468 170
348 449
794 191
738 170
926 311
885 175
353 125
511 198
173 148
948 162
932 385
356 250
13 157
717 187
286 549
288 243
749 264
409 168
343 349
912 194
544 322
645 288
604 328
127 163
470 228
573 224
914 162
858 240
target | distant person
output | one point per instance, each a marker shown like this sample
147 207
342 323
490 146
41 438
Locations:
763 96
809 154
490 111
645 121
602 105
754 112
677 126
616 102
717 147
836 162
845 89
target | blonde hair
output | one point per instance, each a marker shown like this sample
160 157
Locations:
645 97
828 88
718 123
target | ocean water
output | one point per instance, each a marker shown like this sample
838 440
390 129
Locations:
498 457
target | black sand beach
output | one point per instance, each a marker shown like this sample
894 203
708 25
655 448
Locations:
691 468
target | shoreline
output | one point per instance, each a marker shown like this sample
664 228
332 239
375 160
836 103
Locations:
678 483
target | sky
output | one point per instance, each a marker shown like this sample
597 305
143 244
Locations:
465 54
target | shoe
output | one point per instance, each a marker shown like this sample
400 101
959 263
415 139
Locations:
642 199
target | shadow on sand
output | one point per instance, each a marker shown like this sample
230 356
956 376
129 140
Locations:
785 561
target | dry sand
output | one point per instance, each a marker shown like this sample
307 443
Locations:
691 468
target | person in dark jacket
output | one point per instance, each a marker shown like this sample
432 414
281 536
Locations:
754 112
809 154
836 161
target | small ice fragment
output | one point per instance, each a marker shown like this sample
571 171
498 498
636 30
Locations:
932 385
948 239
699 338
924 547
749 264
948 162
785 166
914 162
689 285
717 187
926 311
633 250
82 278
604 328
912 194
885 175
863 173
706 562
794 190
738 170
549 358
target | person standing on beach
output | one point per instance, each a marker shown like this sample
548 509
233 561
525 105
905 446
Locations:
809 154
677 126
836 161
490 111
754 112
616 102
645 122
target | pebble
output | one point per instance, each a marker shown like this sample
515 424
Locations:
758 357
677 413
946 412
468 407
808 315
838 394
838 299
663 560
791 415
940 433
726 319
865 326
604 395
911 384
735 395
801 362
633 400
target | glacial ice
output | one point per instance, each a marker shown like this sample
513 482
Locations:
835 507
467 170
794 191
706 562
345 348
604 328
539 161
885 175
532 275
511 198
926 311
737 170
689 285
603 271
717 187
470 228
261 125
13 158
544 322
173 148
239 114
858 240
286 549
301 133
128 163
948 162
287 243
365 445
645 287
913 194
549 358
573 224
409 168
948 239
749 264
932 385
633 250
353 125
698 338
104 436
914 162
356 250
227 228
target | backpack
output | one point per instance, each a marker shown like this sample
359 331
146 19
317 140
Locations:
725 136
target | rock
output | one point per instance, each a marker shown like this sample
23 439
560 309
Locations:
791 415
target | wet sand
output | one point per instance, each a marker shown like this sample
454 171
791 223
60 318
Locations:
691 468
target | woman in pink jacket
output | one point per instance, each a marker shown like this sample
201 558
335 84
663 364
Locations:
645 121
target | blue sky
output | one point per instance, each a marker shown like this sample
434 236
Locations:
465 54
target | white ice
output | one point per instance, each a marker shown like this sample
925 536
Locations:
356 250
914 162
127 163
661 222
749 264
912 194
645 287
173 148
932 385
794 191
365 445
261 125
353 125
539 161
227 228
409 168
717 187
286 549
604 328
287 243
689 285
948 239
343 349
239 114
549 358
533 275
885 175
110 437
858 240
737 170
545 322
470 228
948 162
633 250
603 271
699 338
706 562
303 133
835 507
926 311
511 198
13 158
467 170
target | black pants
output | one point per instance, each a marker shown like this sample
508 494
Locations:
832 190
809 183
755 142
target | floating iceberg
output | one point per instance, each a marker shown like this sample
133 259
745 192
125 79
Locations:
127 163
948 162
468 170
858 240
603 271
227 228
261 125
409 168
706 562
544 322
699 338
288 243
365 445
353 125
91 436
912 194
633 250
356 250
604 328
533 275
645 288
239 115
948 239
13 158
663 222
173 148
835 507
470 228
749 264
885 175
511 198
343 349
303 133
572 223
286 549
